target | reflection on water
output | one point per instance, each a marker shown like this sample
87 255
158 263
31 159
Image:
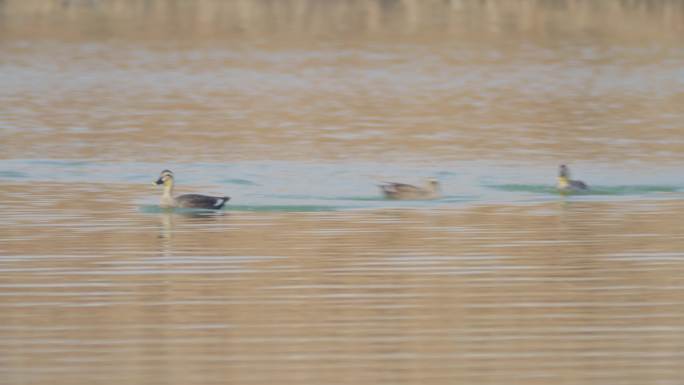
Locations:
95 290
297 109
584 87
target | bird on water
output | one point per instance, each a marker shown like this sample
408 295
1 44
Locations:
393 190
194 201
565 184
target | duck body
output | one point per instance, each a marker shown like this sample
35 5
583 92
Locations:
195 201
392 190
190 201
565 184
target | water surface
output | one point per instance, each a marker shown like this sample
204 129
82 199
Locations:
297 110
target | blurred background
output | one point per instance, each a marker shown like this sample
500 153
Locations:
527 80
297 109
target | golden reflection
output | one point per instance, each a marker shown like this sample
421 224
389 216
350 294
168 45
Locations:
97 289
452 291
215 81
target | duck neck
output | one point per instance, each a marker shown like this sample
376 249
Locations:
167 195
563 181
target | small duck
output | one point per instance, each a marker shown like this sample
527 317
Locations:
393 190
194 201
565 184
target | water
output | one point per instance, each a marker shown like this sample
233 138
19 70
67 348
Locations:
297 110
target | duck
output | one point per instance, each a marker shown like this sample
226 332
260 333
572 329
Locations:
565 184
392 190
193 201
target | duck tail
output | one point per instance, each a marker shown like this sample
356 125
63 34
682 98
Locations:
221 201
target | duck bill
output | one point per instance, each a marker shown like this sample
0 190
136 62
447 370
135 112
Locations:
159 181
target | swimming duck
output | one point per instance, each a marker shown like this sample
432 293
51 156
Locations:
194 201
393 190
565 184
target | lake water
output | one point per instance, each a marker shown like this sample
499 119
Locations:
297 110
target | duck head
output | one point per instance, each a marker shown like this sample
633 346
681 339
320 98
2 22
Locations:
165 178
